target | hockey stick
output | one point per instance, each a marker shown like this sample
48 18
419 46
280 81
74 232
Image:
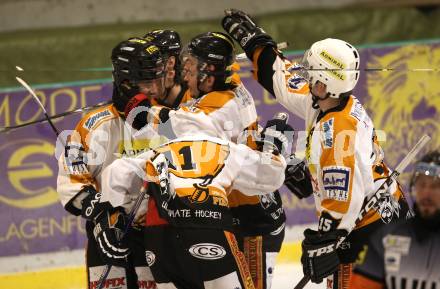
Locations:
63 114
29 89
380 69
131 216
388 181
241 56
280 46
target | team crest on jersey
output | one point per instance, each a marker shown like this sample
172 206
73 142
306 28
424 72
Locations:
327 131
336 181
387 208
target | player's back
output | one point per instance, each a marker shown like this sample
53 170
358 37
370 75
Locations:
194 176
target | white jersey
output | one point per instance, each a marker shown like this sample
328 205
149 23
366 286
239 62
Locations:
228 115
342 151
101 137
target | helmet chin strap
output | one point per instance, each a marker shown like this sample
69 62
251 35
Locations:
316 98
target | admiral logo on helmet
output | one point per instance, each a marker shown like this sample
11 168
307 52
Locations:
332 60
152 49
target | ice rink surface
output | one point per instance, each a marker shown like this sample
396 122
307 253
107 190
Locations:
287 275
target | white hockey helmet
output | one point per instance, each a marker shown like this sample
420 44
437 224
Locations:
333 62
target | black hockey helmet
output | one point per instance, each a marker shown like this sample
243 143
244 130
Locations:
136 60
168 41
169 44
213 48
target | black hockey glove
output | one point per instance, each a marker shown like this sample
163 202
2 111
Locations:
90 205
240 26
108 231
319 258
139 106
297 177
277 135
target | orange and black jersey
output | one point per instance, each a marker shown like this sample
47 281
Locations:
191 178
229 115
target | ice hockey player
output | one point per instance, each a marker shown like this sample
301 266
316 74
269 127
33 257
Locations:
221 106
405 254
170 46
99 138
188 236
342 152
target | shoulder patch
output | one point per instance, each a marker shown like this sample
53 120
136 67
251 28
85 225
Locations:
336 180
243 95
359 113
327 133
95 117
296 82
357 110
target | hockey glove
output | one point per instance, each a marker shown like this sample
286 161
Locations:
297 178
91 208
108 231
319 257
241 27
138 106
277 135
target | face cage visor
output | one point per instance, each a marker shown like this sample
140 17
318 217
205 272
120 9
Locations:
427 169
202 66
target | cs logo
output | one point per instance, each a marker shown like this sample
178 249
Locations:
26 174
